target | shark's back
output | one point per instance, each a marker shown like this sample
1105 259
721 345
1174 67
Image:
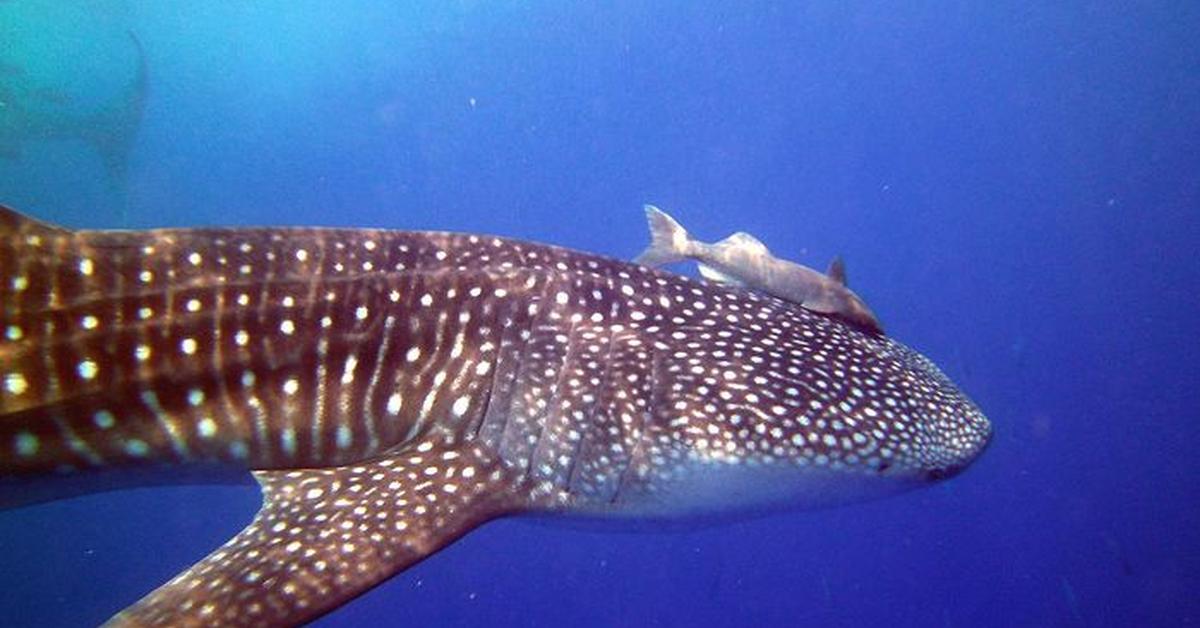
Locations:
193 345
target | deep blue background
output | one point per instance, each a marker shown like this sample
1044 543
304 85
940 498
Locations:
1015 188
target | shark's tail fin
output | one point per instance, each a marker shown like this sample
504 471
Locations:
668 240
113 130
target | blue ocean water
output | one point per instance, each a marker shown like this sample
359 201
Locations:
1015 188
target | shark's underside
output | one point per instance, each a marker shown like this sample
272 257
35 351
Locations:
392 390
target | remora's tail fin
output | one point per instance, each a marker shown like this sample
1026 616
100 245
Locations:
668 240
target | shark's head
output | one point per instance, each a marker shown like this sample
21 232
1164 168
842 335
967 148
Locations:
937 430
790 407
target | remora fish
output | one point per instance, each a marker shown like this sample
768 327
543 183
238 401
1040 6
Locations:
741 259
392 390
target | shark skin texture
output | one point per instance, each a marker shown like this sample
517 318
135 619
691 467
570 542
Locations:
390 391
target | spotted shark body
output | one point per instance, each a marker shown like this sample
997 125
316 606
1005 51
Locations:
392 390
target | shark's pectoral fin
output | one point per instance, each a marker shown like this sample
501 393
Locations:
324 536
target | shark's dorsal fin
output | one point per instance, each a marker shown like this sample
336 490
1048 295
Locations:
323 536
837 270
744 240
13 222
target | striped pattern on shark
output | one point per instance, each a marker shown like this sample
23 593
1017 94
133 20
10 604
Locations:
392 390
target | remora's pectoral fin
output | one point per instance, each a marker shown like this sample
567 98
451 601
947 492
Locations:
323 536
712 274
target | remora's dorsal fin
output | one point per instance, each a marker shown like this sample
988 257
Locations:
743 240
837 270
13 222
323 536
668 239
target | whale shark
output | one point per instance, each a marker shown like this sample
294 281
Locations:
390 391
32 110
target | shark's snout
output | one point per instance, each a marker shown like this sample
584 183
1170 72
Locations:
961 446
